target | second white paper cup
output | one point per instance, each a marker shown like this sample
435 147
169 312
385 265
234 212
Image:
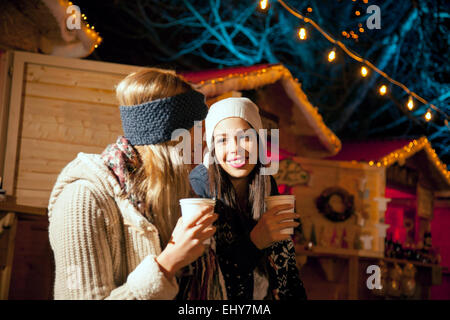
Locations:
191 206
273 201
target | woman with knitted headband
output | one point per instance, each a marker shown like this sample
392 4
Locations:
257 260
114 218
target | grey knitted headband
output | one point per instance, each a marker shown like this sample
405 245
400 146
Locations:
154 121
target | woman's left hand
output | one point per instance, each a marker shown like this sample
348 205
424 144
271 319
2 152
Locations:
268 229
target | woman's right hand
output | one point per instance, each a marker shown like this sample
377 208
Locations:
186 244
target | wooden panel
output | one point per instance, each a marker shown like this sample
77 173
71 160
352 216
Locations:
53 91
59 107
72 77
104 117
70 122
15 108
353 273
82 64
42 165
32 276
52 150
5 274
32 180
5 85
35 183
318 287
32 198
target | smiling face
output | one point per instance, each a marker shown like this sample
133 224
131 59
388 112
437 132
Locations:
236 149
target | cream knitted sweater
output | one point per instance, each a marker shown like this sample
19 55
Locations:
103 247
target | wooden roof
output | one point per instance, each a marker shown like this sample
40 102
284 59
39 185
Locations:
385 153
302 130
40 26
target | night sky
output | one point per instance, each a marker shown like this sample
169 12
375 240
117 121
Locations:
412 46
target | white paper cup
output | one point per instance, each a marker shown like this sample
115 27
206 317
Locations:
192 206
273 201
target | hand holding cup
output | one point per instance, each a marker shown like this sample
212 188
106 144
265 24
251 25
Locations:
277 223
187 242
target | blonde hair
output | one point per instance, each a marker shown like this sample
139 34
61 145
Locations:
162 179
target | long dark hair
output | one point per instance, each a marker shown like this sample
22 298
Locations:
223 190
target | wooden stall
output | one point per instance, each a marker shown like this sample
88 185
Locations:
347 206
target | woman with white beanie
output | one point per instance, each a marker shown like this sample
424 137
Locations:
256 259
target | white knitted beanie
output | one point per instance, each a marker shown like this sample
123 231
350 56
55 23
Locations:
230 108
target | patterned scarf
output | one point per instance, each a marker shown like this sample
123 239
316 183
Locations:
200 280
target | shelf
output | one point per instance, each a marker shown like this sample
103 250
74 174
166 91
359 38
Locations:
347 253
339 252
9 205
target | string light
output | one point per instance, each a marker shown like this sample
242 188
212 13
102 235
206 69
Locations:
357 57
90 30
428 115
263 4
302 33
364 71
412 148
410 103
331 55
357 13
309 9
383 90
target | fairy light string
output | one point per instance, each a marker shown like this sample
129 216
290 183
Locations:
89 29
358 58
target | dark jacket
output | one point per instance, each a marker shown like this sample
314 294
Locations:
238 256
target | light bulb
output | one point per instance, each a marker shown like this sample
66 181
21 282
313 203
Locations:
383 90
302 33
263 4
331 55
364 71
428 115
410 103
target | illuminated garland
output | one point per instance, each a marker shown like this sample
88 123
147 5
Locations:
268 75
264 5
88 29
407 151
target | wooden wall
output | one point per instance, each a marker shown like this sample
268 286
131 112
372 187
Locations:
33 269
58 108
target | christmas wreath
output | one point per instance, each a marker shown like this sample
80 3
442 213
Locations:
324 206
